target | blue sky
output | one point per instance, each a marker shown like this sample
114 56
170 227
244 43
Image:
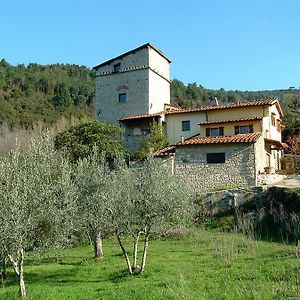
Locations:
230 44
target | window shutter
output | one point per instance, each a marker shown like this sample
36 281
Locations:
207 131
236 129
221 131
251 128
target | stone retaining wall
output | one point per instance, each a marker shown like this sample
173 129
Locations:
221 201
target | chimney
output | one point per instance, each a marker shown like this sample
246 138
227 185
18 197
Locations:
214 101
182 139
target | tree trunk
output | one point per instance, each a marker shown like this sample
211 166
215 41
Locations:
97 242
135 250
125 254
22 291
18 268
146 239
3 267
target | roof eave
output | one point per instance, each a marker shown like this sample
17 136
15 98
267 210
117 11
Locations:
147 45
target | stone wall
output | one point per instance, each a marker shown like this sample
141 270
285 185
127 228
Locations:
238 170
133 142
134 84
147 87
224 200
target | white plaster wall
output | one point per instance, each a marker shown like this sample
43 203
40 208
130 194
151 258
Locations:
270 131
260 155
159 92
159 64
275 134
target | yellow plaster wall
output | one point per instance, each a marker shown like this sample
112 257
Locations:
236 113
229 127
174 125
174 121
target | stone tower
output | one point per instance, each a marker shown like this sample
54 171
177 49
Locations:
134 83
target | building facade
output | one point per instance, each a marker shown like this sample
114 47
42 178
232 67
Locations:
134 83
210 147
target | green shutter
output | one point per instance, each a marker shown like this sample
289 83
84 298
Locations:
207 131
236 129
221 131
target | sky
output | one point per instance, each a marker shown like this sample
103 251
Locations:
230 44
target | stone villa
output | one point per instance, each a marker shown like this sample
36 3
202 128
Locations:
211 147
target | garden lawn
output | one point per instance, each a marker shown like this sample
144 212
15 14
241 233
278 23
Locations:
204 265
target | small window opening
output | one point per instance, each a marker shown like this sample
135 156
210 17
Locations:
117 67
215 158
122 98
186 125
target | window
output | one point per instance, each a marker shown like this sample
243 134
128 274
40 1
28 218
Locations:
117 67
243 129
278 125
218 131
122 98
215 158
273 119
186 125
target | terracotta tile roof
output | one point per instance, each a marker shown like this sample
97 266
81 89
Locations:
206 108
232 120
156 115
165 151
239 138
230 105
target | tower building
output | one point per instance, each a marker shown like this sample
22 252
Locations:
134 83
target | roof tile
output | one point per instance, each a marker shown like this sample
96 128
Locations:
165 151
239 138
206 108
230 121
142 116
230 105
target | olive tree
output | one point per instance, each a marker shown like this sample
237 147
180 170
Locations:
93 182
36 202
79 140
146 199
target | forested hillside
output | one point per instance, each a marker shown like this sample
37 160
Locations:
46 93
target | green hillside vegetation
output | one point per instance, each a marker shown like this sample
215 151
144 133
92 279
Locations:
202 265
33 93
45 93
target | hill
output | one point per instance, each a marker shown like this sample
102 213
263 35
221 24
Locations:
34 93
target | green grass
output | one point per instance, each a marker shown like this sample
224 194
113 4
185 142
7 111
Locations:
205 265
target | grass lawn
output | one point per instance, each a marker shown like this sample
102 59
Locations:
205 265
